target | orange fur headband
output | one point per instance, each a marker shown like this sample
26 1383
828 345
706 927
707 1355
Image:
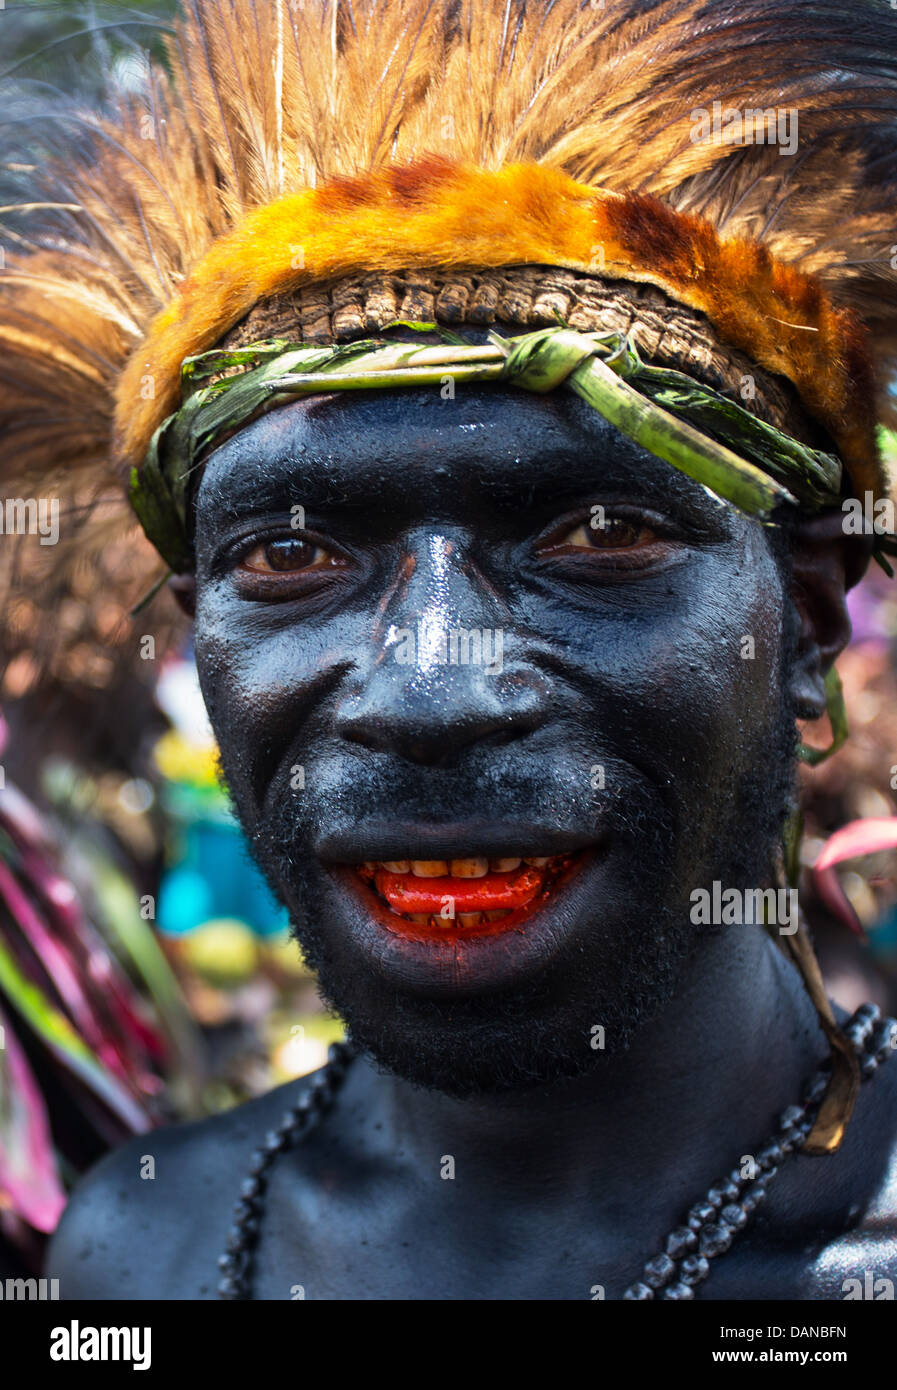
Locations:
436 212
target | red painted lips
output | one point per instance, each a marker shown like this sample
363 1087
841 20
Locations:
440 898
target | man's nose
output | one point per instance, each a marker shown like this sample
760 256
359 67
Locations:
444 670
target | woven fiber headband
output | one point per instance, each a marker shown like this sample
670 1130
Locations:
739 457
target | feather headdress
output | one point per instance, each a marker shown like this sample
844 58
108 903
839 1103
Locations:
293 139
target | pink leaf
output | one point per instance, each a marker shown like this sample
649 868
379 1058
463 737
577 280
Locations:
857 838
28 1173
53 957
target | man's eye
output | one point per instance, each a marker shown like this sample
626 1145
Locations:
287 557
612 533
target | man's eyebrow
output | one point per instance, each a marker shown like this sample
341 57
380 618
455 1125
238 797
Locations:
237 495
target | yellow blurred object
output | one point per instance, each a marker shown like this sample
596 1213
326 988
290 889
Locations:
224 951
286 955
304 1049
181 761
861 897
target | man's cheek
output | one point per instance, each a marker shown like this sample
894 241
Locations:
712 680
694 719
685 700
260 686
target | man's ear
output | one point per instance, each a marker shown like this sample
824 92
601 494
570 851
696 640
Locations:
825 564
183 586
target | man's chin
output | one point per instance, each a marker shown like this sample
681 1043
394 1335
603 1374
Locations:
493 1046
424 1061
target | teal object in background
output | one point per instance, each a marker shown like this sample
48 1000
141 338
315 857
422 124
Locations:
211 874
883 934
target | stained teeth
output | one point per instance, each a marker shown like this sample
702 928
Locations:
498 914
422 918
470 919
429 868
458 868
470 868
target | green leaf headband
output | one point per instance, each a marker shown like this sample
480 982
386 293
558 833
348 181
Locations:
667 412
675 417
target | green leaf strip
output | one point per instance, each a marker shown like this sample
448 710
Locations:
713 440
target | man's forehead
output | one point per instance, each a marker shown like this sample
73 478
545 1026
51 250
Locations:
344 449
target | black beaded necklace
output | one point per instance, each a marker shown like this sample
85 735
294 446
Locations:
710 1227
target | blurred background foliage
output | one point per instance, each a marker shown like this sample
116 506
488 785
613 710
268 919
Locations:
74 45
146 973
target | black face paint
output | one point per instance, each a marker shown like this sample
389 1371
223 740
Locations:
639 713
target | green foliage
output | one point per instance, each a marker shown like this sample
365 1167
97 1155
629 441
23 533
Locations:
673 416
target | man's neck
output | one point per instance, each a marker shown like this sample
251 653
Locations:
701 1085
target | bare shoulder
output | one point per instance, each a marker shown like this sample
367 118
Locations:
151 1218
829 1228
860 1261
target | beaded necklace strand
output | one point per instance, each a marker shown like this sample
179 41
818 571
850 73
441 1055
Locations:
710 1228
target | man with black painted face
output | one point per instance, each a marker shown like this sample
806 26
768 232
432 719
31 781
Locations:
504 637
527 1078
604 771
